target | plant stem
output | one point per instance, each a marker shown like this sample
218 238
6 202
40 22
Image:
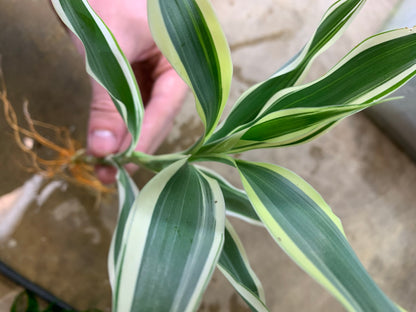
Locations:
82 157
153 162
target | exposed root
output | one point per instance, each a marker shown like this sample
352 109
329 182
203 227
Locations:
62 164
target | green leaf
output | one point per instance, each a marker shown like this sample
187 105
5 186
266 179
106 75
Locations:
331 27
175 238
307 230
371 71
237 203
188 34
25 302
105 61
234 264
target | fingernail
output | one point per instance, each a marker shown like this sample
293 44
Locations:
102 142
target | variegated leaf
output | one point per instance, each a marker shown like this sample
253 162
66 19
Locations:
291 126
175 239
308 231
188 34
331 27
236 200
105 61
235 266
371 71
127 193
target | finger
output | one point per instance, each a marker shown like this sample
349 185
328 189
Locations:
106 131
165 102
106 174
106 128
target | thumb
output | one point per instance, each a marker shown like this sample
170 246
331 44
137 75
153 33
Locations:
106 129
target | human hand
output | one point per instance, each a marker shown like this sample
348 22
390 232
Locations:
162 89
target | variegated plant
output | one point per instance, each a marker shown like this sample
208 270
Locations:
172 234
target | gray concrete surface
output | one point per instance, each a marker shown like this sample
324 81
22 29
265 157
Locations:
398 120
367 180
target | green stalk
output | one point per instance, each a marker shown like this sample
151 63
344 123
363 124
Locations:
152 162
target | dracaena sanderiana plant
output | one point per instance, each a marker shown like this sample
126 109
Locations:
172 234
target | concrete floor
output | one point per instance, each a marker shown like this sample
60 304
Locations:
367 180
